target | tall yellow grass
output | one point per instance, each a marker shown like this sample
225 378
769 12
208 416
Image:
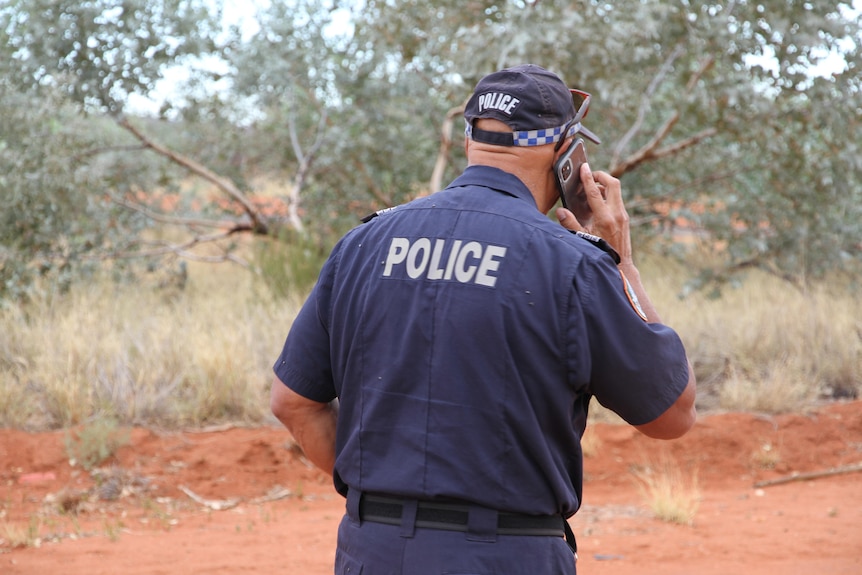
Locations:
765 345
204 354
143 355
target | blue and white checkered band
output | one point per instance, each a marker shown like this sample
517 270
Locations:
541 137
527 138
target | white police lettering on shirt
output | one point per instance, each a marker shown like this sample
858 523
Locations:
465 262
496 101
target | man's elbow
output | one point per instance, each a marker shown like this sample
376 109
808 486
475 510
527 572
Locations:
678 419
282 402
670 425
279 411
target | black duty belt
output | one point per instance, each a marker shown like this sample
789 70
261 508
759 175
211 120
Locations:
455 516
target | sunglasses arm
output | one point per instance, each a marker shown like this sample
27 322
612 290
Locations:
588 135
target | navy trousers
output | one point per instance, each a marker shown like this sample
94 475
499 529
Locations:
369 548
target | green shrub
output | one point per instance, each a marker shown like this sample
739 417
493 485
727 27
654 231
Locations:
290 265
95 442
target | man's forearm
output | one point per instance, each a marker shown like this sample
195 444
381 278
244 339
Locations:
312 424
315 434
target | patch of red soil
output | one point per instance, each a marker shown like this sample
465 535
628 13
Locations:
776 495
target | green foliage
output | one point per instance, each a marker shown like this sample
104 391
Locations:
44 224
95 442
64 170
377 130
289 266
100 51
770 151
61 172
759 156
59 215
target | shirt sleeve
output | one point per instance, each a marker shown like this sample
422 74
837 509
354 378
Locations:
638 369
305 362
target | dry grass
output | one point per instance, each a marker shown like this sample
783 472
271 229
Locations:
15 535
128 352
203 354
765 346
671 492
767 456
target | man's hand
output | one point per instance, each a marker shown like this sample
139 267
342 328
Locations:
609 221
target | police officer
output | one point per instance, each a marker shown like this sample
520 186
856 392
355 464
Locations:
463 335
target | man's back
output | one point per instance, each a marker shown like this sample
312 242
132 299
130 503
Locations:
464 335
460 350
448 320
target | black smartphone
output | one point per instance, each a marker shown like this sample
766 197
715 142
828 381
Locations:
567 171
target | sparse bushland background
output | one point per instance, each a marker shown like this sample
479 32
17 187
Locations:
191 350
151 259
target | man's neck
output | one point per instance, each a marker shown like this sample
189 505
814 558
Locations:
539 182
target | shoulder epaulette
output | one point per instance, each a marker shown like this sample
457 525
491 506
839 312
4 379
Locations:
370 217
599 243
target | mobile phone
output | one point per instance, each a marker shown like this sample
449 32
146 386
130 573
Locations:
567 172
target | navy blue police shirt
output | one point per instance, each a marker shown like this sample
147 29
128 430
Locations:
464 334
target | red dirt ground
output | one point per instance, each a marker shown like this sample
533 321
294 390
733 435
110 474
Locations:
243 500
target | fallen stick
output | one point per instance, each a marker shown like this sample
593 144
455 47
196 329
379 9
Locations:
274 494
217 505
796 476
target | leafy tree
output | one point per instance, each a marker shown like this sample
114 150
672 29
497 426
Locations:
100 51
353 136
698 133
57 213
68 174
763 159
760 159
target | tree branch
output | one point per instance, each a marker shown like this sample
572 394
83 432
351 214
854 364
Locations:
375 190
178 221
445 146
227 227
796 476
106 149
182 250
683 144
762 263
645 103
305 161
646 152
651 149
258 225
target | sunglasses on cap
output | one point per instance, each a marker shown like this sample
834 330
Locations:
581 101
